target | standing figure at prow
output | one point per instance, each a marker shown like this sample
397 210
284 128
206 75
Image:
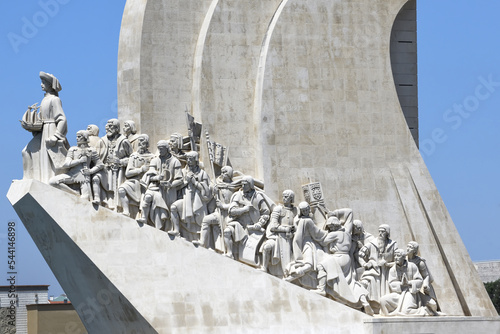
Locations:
115 154
188 212
131 190
82 162
277 249
46 152
249 213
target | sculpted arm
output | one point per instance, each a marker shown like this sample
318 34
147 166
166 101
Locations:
127 151
59 119
131 170
416 282
70 160
235 210
98 165
394 282
178 179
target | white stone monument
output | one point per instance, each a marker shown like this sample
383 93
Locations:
315 92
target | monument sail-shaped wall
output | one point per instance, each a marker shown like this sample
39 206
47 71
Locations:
302 91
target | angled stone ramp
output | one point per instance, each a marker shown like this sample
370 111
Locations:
123 277
100 305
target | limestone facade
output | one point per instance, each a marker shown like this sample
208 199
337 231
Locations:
302 91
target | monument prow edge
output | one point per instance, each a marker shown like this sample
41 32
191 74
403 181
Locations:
122 276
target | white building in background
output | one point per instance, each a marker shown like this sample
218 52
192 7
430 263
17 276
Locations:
489 271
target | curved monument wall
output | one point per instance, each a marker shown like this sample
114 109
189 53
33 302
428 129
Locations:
300 91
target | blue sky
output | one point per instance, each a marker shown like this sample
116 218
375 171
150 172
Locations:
459 102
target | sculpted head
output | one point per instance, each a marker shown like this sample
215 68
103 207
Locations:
247 183
175 142
333 224
50 83
412 248
82 137
163 148
399 256
112 127
227 173
129 128
384 231
143 142
358 228
192 158
288 197
305 209
93 130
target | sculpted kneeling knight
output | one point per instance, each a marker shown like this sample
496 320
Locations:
82 162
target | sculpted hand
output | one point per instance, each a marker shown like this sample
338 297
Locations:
144 168
382 262
426 289
51 141
166 184
86 172
368 265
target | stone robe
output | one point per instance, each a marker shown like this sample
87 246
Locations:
280 242
132 185
194 203
403 300
41 162
307 250
377 276
338 264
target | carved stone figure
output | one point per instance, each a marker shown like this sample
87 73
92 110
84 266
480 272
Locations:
378 258
46 152
277 249
115 153
214 223
429 298
405 282
359 238
94 140
189 211
336 275
162 179
82 162
308 239
130 131
130 192
176 144
249 212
